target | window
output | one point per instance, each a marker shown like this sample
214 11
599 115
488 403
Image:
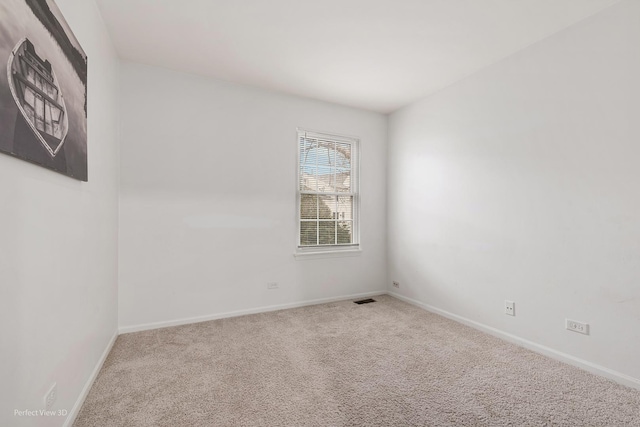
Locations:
327 192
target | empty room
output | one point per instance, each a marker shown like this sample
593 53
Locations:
338 213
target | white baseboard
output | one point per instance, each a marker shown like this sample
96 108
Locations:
87 386
198 319
538 348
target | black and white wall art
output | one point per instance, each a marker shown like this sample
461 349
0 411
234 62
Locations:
43 88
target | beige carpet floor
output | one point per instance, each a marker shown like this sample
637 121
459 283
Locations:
342 364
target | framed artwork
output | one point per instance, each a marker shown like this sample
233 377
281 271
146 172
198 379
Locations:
43 93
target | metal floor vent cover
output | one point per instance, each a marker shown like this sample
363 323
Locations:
365 301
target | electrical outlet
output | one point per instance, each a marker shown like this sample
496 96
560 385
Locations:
575 326
272 285
396 284
51 396
509 308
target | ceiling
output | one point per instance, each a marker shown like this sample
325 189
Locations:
373 54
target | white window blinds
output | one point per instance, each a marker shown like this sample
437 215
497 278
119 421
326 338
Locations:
327 190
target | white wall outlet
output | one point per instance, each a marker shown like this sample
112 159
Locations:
396 284
272 285
575 326
51 396
509 308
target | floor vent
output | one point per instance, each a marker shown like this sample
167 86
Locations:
365 301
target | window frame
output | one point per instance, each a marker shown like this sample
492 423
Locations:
336 249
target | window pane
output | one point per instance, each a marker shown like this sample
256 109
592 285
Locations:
343 155
345 232
29 96
48 128
326 153
55 114
327 208
308 180
39 113
309 206
31 74
308 151
343 181
326 179
30 112
327 232
308 233
345 207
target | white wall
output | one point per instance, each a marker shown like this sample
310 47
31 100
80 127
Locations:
521 182
208 202
58 252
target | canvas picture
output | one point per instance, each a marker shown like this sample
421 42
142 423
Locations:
43 93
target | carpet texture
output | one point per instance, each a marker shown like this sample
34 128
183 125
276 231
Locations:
341 364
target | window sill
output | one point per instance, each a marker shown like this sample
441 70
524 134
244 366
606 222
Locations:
336 253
